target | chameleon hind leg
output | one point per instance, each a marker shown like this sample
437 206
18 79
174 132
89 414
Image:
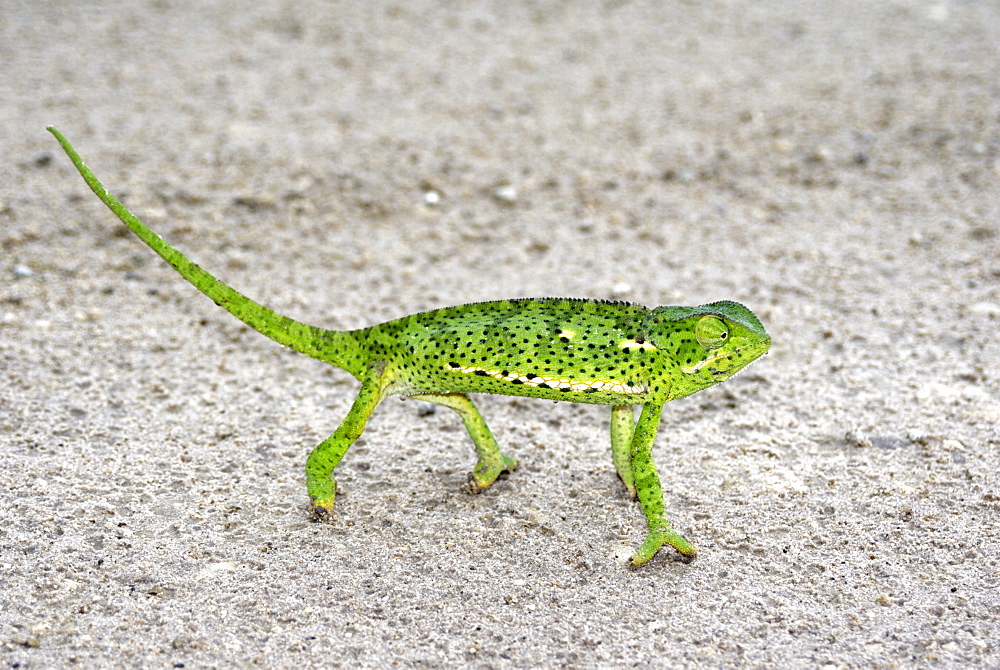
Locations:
622 429
491 462
320 482
649 491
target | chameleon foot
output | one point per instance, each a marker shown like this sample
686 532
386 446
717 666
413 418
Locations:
322 493
656 539
629 488
487 472
322 514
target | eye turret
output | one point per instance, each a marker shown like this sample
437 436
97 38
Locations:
711 332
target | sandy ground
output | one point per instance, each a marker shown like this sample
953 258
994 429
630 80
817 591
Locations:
833 166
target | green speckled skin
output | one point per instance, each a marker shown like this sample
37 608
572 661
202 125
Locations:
593 351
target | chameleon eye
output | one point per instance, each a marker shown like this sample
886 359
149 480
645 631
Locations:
711 332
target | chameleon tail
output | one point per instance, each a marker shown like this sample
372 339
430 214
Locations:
338 348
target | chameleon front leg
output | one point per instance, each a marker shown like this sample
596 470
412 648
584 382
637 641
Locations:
320 482
622 429
650 493
491 462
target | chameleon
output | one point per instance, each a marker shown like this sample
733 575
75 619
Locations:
571 349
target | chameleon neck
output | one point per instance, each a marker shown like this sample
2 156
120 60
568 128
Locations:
338 348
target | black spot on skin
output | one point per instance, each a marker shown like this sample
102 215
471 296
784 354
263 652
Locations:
482 373
453 364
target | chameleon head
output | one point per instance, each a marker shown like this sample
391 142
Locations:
706 344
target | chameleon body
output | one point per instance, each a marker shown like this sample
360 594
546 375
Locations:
593 351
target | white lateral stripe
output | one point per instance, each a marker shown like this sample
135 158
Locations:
556 382
632 344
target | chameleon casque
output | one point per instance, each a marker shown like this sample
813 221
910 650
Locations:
593 351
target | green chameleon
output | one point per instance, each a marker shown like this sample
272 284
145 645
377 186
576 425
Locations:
593 351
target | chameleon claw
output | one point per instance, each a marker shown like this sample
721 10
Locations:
487 472
656 539
322 505
630 491
321 514
473 486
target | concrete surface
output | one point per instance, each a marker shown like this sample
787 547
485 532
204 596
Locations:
832 165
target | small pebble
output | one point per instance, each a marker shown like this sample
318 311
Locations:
506 195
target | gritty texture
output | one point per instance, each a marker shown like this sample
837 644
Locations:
834 166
